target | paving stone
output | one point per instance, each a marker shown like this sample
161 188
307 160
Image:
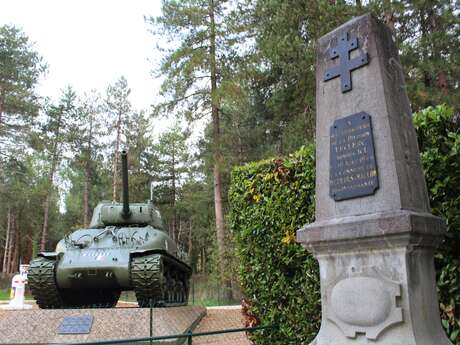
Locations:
220 319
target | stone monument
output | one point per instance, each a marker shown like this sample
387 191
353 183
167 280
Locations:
374 235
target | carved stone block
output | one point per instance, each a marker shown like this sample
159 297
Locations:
364 303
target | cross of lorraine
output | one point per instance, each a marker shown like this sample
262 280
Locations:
346 65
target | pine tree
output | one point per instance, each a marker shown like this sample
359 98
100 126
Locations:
86 144
119 109
20 70
57 131
170 167
195 80
139 144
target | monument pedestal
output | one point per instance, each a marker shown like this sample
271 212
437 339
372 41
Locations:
377 279
44 326
374 235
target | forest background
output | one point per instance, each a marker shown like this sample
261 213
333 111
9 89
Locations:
246 69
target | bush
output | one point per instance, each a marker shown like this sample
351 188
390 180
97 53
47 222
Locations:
270 201
439 141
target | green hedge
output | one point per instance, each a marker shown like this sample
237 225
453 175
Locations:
439 141
272 199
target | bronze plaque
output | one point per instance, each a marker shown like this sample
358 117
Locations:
353 167
76 325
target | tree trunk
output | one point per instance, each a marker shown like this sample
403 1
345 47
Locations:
86 215
47 203
220 226
9 257
179 232
173 175
171 232
425 29
45 222
435 27
85 201
54 161
2 105
16 250
190 243
7 241
203 260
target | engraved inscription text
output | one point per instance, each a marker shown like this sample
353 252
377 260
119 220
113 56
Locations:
353 168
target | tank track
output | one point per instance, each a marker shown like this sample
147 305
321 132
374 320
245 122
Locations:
156 286
42 283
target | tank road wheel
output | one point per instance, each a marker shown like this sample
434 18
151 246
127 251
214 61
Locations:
42 283
179 287
147 280
182 297
182 288
178 291
169 289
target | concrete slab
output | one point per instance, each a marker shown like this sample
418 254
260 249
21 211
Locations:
40 326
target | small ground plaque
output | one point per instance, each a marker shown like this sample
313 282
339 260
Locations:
353 168
76 325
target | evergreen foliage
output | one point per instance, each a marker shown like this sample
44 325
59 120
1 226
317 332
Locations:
20 69
438 132
196 79
270 200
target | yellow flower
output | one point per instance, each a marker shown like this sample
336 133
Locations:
289 237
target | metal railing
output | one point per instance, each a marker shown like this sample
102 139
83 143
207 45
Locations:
189 335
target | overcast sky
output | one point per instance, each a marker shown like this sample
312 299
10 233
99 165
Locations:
90 43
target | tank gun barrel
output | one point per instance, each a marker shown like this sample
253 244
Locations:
126 213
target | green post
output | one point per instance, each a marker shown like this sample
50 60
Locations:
193 290
189 338
151 320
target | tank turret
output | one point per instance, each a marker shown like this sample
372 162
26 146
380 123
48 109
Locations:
124 248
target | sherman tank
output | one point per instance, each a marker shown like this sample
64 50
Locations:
124 248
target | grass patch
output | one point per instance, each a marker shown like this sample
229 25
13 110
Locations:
5 295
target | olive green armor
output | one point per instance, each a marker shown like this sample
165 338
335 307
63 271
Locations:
124 248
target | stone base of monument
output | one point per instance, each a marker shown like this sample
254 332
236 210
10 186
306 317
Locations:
45 326
378 279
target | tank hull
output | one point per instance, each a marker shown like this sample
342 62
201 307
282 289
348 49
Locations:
104 268
99 264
